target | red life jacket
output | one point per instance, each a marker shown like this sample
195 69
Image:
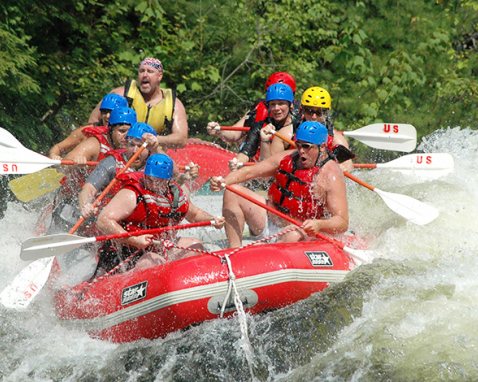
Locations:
101 133
291 190
76 179
154 210
120 160
262 112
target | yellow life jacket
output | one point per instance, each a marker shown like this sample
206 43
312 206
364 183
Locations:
159 116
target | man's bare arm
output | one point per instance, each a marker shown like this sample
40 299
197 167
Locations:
179 130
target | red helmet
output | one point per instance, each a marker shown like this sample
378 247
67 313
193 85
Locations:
281 77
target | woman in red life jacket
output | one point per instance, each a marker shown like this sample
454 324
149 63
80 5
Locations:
307 185
315 105
149 200
279 99
108 103
255 118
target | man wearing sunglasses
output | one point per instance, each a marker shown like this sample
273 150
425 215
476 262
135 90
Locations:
308 185
315 105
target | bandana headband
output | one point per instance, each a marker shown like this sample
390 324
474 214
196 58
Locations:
153 62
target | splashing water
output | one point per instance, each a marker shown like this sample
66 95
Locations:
410 315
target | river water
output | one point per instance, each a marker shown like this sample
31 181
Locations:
410 315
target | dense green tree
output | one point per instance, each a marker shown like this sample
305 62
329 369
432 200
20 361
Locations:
405 61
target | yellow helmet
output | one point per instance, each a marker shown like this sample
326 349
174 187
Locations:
316 97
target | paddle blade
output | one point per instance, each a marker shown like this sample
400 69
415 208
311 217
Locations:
8 140
411 209
26 285
360 256
430 166
387 136
32 186
23 161
51 245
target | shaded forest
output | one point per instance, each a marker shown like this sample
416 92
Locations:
397 61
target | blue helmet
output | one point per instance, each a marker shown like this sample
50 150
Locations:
112 101
312 132
279 92
122 116
138 129
159 166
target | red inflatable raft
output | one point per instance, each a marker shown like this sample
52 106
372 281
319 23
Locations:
211 158
151 303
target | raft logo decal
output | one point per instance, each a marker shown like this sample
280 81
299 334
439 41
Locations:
319 259
134 293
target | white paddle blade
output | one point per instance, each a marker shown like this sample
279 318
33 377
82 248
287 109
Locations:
387 136
360 256
23 161
430 166
8 140
52 245
8 167
411 209
26 285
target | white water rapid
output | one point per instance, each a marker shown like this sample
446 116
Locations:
409 316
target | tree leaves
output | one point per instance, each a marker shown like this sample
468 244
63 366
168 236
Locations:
379 60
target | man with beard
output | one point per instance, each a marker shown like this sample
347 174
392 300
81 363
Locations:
308 185
153 105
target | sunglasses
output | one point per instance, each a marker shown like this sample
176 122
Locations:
130 141
312 110
304 145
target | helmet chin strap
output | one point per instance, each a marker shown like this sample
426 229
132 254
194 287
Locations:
276 124
322 154
110 135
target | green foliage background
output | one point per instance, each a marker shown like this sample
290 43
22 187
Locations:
397 61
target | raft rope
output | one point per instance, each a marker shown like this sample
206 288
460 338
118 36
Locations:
167 245
245 343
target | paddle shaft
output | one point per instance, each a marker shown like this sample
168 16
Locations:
153 231
242 128
365 165
359 181
109 186
54 245
282 215
66 162
234 128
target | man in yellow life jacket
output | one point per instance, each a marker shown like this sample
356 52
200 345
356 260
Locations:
160 108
